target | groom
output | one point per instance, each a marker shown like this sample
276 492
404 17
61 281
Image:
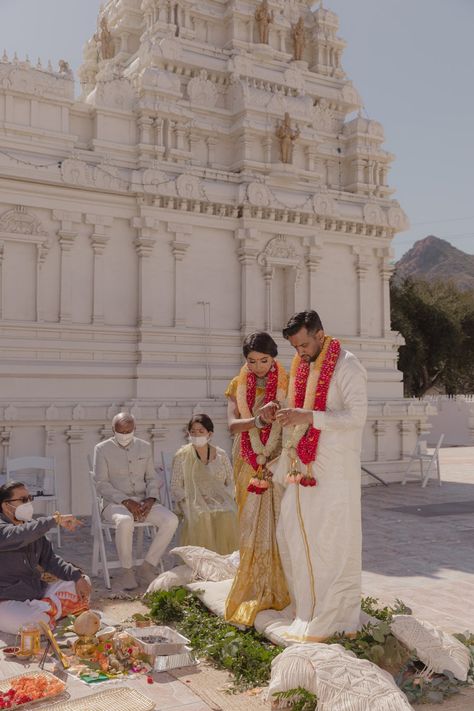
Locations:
319 529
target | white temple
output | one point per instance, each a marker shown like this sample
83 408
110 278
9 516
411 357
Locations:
214 177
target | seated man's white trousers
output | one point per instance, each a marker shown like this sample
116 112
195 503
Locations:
57 599
159 516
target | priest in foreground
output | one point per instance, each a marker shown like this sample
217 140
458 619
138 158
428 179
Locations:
319 529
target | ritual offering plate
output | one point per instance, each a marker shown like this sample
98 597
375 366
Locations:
10 651
29 688
158 641
119 699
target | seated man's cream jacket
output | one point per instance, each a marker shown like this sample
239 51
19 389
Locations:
125 472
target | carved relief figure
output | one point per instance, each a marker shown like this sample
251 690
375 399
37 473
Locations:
64 68
264 18
105 40
299 39
287 136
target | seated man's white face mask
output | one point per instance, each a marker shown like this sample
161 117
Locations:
124 439
23 512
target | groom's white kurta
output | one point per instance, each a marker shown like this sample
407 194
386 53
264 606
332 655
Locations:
319 529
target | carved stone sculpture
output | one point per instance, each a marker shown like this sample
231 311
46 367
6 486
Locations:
64 68
299 39
264 18
105 40
287 136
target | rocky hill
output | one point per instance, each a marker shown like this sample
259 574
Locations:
435 259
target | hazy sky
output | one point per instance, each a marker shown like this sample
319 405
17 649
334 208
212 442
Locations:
412 62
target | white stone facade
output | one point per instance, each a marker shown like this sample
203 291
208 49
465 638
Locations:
148 225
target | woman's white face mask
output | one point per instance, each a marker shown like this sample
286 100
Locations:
24 512
124 439
200 441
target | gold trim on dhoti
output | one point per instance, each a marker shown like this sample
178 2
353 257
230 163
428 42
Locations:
306 547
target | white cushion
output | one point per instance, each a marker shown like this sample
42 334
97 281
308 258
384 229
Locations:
206 564
439 650
273 623
181 575
212 595
341 681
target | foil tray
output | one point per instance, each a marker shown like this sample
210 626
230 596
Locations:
175 661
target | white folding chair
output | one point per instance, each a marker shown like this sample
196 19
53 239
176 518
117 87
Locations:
39 474
421 456
99 527
166 463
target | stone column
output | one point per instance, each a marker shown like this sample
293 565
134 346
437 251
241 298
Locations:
405 429
2 295
247 252
41 253
312 261
145 127
5 435
157 434
67 233
179 247
98 239
379 428
211 150
362 266
268 279
386 270
80 497
147 232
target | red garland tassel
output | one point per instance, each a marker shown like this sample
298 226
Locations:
308 444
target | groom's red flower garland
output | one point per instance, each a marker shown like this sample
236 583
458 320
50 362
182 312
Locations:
308 445
271 386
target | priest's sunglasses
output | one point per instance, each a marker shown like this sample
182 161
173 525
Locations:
23 499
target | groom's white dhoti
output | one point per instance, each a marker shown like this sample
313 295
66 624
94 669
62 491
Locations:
319 529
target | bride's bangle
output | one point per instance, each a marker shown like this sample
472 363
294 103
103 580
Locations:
57 517
258 422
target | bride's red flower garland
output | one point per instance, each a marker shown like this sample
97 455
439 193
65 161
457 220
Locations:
271 386
308 445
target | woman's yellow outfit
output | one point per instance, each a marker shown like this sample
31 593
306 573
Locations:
204 496
260 582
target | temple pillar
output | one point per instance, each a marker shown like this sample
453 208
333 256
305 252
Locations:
386 270
312 260
147 232
379 428
247 252
98 240
179 247
79 490
67 234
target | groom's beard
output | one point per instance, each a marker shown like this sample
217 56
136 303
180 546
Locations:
313 358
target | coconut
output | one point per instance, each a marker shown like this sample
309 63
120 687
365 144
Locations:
87 624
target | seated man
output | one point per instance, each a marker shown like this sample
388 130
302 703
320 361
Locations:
126 479
24 551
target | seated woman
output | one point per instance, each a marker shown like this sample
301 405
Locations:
25 553
202 488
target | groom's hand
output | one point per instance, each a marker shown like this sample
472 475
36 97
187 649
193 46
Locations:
294 416
268 411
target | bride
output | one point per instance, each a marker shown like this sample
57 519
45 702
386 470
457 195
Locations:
252 400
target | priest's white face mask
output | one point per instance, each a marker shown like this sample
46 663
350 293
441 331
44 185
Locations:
124 439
